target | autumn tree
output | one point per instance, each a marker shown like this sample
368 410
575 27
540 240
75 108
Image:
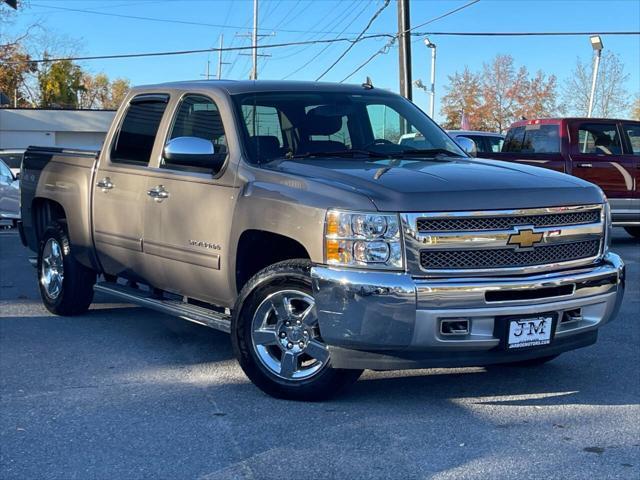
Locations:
635 108
15 66
463 94
117 91
611 97
499 95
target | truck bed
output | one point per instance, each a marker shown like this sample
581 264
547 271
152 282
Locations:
63 177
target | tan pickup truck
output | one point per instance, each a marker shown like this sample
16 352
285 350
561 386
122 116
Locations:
292 216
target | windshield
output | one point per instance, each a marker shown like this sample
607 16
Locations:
306 124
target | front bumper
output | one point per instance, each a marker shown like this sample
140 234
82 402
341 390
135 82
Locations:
386 321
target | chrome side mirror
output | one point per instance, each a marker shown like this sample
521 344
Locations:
192 151
468 145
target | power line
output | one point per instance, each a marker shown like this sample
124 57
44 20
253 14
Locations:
207 50
386 48
521 34
166 20
324 49
375 15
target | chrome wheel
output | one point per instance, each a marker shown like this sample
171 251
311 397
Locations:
286 338
52 269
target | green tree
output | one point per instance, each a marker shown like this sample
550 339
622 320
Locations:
60 84
118 90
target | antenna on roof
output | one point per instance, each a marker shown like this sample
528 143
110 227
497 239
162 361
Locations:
368 84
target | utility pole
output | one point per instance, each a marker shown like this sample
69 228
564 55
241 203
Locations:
254 42
404 39
220 62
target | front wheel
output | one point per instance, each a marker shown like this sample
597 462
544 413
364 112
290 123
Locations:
276 336
66 286
633 231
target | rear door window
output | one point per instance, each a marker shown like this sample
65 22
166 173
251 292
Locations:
633 131
599 139
134 141
534 138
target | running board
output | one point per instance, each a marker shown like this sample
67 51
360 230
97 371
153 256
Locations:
186 311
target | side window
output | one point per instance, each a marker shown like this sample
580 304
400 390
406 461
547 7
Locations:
513 141
633 131
494 144
198 116
599 139
5 174
134 141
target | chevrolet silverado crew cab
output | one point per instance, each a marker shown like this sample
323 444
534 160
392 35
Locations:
600 150
289 215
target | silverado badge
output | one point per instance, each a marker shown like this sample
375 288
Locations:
524 238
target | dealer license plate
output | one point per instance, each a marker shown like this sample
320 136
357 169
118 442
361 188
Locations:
530 332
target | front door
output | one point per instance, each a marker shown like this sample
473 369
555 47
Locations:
121 183
189 209
597 156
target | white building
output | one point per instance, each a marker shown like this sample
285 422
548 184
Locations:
20 128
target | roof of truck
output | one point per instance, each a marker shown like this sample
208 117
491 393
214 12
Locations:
248 86
556 120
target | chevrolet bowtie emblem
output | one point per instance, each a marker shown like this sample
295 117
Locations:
524 238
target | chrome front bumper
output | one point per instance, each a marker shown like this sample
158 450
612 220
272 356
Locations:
383 320
625 212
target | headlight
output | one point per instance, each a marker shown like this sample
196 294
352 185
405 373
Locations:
363 239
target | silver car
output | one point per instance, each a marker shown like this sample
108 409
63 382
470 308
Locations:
486 142
9 196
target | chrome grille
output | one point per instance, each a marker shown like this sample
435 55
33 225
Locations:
459 224
507 258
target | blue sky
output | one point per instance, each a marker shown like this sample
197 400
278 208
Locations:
99 34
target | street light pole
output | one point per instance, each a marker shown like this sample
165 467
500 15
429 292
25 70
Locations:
596 44
432 46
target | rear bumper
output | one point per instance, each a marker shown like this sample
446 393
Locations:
387 321
625 212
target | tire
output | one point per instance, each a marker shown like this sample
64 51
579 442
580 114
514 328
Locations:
633 231
66 286
274 333
533 362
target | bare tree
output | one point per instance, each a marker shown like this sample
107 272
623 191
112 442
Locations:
503 90
611 99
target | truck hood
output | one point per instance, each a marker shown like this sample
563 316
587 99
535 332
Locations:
446 185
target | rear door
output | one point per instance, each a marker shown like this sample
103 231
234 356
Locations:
597 156
632 151
186 233
121 184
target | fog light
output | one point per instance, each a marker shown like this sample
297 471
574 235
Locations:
455 326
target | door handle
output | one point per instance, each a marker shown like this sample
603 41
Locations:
158 193
585 165
105 184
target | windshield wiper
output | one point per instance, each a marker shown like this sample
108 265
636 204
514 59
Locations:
337 153
430 152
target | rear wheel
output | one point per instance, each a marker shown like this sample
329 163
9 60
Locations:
633 231
276 336
66 286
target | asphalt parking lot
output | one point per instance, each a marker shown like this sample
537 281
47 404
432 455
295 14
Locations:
124 392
